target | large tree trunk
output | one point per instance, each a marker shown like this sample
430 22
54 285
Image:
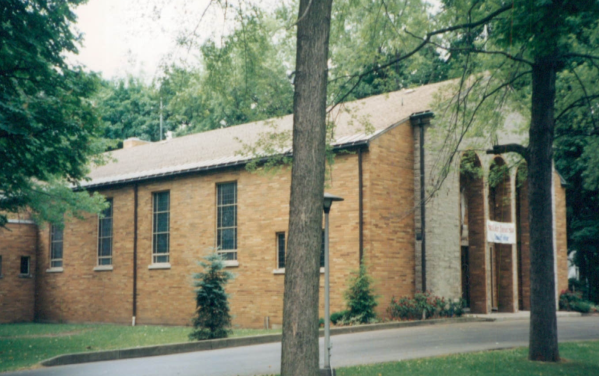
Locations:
543 320
300 311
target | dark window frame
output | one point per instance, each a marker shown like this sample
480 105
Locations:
56 262
26 273
161 257
107 217
281 252
226 252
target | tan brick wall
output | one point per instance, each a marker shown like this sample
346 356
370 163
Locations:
17 294
388 212
79 293
166 296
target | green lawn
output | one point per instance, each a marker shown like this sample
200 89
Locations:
24 345
579 359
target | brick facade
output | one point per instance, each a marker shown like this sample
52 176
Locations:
165 296
17 292
390 172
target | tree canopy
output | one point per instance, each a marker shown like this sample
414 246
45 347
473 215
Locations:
48 128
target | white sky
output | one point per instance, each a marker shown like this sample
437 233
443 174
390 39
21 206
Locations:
134 36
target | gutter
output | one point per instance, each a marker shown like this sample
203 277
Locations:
361 207
135 188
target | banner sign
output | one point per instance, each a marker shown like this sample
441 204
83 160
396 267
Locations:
500 232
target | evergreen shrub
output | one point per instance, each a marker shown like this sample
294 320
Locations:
213 318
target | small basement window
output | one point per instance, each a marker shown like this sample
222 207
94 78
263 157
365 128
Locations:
25 266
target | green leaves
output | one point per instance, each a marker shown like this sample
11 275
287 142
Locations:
48 126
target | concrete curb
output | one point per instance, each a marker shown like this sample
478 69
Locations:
178 348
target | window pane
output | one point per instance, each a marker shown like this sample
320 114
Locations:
227 216
161 222
105 247
106 227
106 213
24 265
105 261
161 201
161 243
227 239
227 194
228 256
57 234
161 259
281 250
56 251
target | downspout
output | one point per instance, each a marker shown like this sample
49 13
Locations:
361 206
134 254
422 208
422 119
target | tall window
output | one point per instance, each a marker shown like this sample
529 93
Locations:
105 235
160 252
226 222
281 250
56 246
25 266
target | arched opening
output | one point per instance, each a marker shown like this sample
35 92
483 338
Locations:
523 238
472 233
501 255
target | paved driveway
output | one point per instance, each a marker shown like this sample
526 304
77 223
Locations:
348 349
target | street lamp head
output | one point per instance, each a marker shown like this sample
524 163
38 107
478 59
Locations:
328 201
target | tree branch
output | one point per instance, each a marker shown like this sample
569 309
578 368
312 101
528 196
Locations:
424 42
474 50
510 148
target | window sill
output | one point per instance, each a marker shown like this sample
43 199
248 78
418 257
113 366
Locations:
103 268
25 276
54 270
165 265
231 263
282 271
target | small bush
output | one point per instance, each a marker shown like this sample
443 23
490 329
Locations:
360 297
424 306
213 319
336 317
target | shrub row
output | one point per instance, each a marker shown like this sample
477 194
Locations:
424 306
573 301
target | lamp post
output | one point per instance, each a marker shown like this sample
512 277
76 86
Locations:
328 202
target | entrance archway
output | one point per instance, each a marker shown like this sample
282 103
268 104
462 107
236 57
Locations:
501 255
472 232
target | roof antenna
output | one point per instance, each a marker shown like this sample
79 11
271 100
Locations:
160 118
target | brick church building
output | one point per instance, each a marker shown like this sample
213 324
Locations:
176 200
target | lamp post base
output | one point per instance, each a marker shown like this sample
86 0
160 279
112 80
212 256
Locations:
327 372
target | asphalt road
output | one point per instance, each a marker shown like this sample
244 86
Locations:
348 349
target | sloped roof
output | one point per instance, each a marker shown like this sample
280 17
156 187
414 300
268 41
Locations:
220 147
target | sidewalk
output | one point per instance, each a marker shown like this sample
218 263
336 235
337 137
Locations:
520 315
